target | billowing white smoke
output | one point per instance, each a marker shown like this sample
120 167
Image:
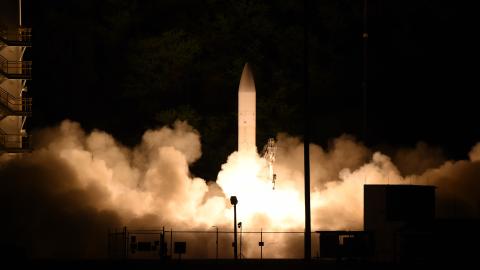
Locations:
151 179
72 175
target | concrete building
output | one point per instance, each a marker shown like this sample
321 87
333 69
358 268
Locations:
398 217
398 222
400 226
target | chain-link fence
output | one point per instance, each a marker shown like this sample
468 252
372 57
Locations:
133 243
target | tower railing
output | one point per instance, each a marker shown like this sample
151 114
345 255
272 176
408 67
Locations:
21 37
14 143
17 105
15 69
161 244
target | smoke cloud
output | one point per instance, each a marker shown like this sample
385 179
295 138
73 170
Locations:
475 153
415 161
60 200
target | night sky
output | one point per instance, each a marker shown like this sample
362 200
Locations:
126 66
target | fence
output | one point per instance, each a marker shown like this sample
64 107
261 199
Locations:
132 244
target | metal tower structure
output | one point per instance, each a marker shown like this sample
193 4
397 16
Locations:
15 106
269 153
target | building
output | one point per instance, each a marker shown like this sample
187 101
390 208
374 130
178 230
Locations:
400 218
400 226
398 222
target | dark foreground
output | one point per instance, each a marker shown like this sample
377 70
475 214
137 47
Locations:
277 264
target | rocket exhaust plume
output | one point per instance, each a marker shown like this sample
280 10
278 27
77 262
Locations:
246 112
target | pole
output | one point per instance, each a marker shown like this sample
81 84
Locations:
365 68
234 201
306 150
125 237
261 246
241 230
20 13
235 231
163 245
216 243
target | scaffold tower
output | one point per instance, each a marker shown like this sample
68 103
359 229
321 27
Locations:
15 105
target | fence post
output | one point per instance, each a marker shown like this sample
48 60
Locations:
125 237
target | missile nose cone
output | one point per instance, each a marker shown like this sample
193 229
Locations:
246 82
246 112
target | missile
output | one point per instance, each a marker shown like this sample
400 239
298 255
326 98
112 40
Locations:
246 112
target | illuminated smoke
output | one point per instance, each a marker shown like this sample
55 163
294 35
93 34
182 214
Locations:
75 186
475 153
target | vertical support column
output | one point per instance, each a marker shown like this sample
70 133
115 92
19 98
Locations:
20 13
306 143
235 255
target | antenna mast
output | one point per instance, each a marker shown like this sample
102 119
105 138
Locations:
365 66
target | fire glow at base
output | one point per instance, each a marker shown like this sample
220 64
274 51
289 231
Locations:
246 178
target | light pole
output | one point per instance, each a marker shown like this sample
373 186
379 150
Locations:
241 230
234 201
216 243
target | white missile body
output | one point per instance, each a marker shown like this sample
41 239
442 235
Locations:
246 112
